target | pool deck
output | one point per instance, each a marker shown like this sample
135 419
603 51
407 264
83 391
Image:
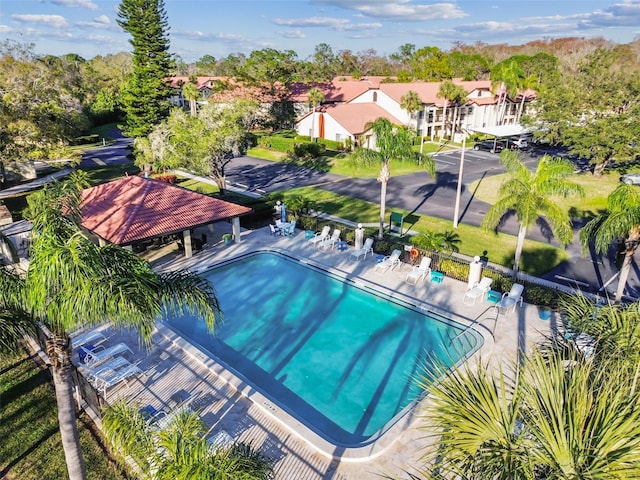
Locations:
176 373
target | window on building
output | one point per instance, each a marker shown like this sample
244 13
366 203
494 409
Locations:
375 96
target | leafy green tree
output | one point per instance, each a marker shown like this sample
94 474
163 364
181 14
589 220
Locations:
73 283
179 449
412 103
620 223
468 66
41 106
316 97
205 143
530 195
146 97
430 64
594 111
324 63
392 143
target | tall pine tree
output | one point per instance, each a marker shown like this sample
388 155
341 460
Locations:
146 97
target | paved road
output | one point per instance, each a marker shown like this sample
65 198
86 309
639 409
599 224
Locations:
418 193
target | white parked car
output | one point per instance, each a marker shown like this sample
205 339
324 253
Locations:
631 178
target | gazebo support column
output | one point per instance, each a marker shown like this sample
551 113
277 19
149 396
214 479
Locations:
186 235
235 223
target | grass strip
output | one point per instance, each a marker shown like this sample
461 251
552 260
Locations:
31 448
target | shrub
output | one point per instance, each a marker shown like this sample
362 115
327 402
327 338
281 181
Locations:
539 295
308 150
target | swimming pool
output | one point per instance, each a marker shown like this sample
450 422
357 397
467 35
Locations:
336 355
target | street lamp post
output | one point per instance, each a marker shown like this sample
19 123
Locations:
456 211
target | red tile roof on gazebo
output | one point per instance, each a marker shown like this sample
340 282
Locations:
134 208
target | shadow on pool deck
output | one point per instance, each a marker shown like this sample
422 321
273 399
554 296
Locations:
172 367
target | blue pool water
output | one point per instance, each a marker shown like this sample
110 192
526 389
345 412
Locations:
338 357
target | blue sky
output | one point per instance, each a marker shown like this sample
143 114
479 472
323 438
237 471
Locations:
219 27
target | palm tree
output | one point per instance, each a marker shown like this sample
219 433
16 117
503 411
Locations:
504 81
179 449
191 93
71 283
549 418
530 195
476 414
619 223
316 97
453 93
524 84
412 103
392 143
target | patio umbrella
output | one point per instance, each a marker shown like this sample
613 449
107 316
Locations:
283 212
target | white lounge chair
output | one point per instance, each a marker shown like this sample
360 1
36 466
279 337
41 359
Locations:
510 299
92 336
104 382
419 272
362 253
331 241
320 236
389 262
478 291
95 357
92 373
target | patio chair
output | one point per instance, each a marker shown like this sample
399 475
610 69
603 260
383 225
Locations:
419 272
510 299
362 253
389 262
478 291
331 241
275 231
92 373
108 380
92 337
290 228
320 236
98 355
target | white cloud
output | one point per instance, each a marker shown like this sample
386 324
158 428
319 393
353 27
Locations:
337 24
400 10
291 34
76 3
55 21
102 22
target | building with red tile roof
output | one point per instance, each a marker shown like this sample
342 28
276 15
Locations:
134 209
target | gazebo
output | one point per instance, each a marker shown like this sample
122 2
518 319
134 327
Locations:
133 209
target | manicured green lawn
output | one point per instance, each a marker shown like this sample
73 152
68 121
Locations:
595 200
30 445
